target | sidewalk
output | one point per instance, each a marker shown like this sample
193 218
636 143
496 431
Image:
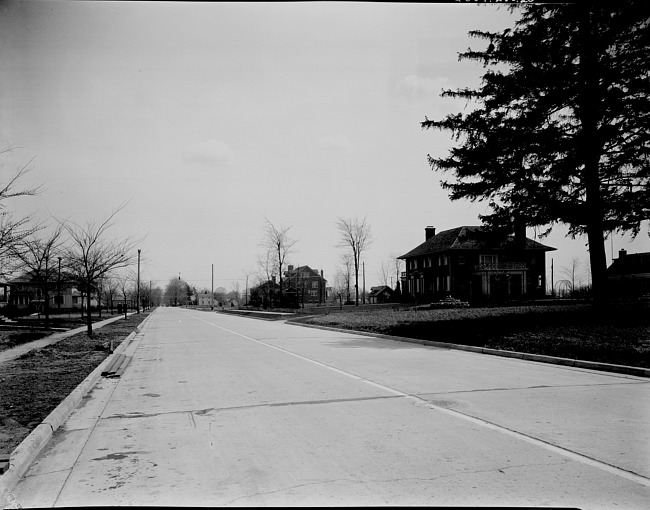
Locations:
19 350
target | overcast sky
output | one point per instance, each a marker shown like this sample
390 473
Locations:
208 118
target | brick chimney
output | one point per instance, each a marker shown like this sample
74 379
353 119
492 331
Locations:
520 234
429 232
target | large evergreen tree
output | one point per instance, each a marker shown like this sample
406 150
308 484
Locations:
560 132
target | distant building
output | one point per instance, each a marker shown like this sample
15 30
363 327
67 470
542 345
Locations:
205 299
4 294
629 274
25 293
473 264
304 285
381 294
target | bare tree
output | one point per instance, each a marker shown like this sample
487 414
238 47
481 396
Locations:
13 230
235 293
354 234
572 272
125 287
265 274
92 256
384 272
278 242
247 272
397 267
176 291
109 289
346 271
34 255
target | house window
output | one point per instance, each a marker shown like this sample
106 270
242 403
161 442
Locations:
314 285
488 260
461 259
443 260
429 262
75 300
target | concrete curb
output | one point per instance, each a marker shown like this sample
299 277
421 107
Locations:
590 365
254 314
25 453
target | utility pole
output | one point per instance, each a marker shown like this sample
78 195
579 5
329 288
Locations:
552 283
150 295
137 304
363 296
58 286
212 290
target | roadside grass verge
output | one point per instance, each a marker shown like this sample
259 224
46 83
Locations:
621 335
34 384
9 339
33 328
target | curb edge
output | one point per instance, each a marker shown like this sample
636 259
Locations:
25 453
541 358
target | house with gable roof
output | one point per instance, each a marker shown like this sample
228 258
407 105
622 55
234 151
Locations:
629 274
475 264
381 294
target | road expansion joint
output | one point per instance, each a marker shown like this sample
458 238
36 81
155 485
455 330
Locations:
535 387
206 411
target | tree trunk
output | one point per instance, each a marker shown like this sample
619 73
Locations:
47 310
89 321
590 102
356 283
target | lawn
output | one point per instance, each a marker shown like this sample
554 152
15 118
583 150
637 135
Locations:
621 335
32 327
34 384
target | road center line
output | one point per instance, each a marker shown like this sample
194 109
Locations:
623 473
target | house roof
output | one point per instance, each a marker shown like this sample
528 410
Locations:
380 289
303 270
634 263
470 238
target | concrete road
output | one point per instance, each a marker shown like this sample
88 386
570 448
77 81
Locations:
216 410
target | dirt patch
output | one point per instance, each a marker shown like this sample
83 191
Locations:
33 385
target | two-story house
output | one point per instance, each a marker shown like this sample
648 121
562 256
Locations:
25 293
303 285
476 265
